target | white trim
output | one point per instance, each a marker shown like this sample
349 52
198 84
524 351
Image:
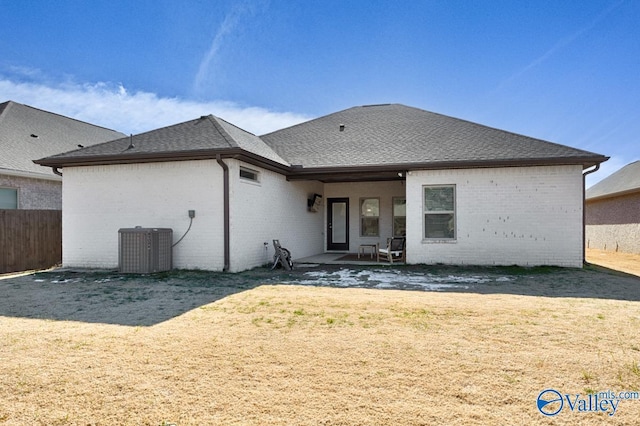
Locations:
32 175
453 212
248 179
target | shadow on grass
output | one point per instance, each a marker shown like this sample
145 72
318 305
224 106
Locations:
112 298
145 300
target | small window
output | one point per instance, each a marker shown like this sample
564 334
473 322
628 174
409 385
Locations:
8 198
249 174
369 217
399 217
439 212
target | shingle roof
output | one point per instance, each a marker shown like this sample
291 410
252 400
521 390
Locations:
28 133
397 134
205 134
375 140
625 180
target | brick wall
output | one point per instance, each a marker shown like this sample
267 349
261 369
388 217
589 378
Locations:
99 200
504 216
614 223
272 208
35 194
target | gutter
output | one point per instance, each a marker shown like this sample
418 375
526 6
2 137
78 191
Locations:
30 175
584 210
227 251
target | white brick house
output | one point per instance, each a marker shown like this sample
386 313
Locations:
460 193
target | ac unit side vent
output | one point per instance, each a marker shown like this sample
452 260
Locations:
145 250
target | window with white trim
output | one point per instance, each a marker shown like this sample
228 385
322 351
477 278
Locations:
369 217
440 212
249 174
8 198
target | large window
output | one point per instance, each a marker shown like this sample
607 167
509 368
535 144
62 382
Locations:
369 217
8 198
439 212
399 217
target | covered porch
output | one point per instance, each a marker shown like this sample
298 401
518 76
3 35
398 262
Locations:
360 214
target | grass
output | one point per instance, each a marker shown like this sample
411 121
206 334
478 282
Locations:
277 355
189 347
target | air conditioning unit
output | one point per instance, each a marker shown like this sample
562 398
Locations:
145 250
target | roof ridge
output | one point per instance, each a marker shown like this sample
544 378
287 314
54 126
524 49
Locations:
310 121
62 116
225 135
235 125
4 107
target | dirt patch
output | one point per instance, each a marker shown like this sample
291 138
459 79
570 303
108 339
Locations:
193 348
624 262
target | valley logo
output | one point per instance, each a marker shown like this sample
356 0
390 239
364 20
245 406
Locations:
551 402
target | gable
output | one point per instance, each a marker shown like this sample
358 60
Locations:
27 134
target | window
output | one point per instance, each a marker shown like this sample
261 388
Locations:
8 198
399 217
249 174
369 217
439 212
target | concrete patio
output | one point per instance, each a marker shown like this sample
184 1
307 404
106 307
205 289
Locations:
343 258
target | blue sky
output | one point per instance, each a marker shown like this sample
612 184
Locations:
563 71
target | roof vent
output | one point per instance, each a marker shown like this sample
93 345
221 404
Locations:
341 127
34 136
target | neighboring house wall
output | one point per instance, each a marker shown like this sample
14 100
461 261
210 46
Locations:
35 194
504 216
99 200
614 223
355 191
272 208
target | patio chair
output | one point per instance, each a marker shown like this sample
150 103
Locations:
394 251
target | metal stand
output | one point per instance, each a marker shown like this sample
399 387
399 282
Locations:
282 256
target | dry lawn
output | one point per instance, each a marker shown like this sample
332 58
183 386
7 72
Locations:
299 355
624 262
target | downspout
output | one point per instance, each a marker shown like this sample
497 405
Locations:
584 211
225 170
56 171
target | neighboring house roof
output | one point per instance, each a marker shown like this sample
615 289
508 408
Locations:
375 142
624 181
28 133
205 137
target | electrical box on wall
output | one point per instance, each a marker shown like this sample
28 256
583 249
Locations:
314 203
145 250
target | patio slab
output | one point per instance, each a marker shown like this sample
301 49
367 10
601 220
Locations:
337 259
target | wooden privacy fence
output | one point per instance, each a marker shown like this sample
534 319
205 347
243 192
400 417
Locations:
30 239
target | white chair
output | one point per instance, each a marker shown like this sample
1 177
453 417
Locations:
394 251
